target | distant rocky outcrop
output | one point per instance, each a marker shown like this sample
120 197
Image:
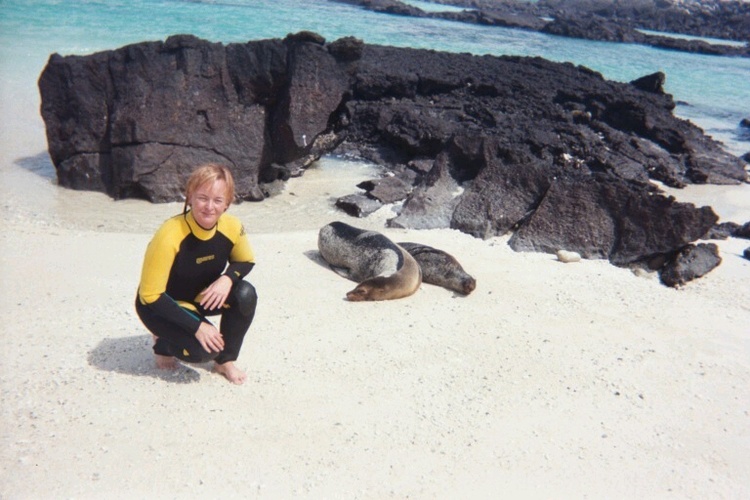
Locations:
720 19
604 20
551 152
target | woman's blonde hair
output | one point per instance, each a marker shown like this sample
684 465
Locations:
208 174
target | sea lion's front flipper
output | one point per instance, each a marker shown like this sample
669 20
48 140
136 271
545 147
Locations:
342 271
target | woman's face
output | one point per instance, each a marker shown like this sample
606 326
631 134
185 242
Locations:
208 202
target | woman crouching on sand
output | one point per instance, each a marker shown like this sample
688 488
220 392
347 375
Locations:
193 268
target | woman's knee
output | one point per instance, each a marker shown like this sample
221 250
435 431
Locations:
246 297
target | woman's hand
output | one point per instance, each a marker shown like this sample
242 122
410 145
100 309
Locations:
209 337
214 296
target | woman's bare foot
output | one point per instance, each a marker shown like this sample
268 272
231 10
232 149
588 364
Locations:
165 362
231 372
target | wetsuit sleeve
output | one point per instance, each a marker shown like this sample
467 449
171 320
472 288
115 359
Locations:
241 259
167 308
157 263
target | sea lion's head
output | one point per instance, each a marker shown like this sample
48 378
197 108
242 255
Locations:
377 288
452 276
468 284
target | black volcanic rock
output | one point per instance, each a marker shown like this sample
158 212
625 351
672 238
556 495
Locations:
721 231
388 7
482 144
651 83
602 218
689 263
358 205
744 133
605 20
391 188
593 28
743 231
726 229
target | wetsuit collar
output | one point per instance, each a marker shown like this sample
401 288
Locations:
198 231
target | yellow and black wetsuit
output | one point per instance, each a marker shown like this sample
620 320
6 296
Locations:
182 260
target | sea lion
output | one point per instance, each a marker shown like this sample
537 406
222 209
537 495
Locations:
440 268
384 269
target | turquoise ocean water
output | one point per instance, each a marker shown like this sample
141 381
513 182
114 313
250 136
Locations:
713 92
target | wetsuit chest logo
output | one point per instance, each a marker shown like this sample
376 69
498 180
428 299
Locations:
201 260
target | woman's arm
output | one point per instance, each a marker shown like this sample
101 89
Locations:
242 257
157 263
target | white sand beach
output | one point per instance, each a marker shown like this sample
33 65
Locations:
551 380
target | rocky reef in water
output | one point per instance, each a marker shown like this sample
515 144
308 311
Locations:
550 152
604 20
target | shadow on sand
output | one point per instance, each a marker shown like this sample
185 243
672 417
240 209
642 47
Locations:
39 164
133 356
314 255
